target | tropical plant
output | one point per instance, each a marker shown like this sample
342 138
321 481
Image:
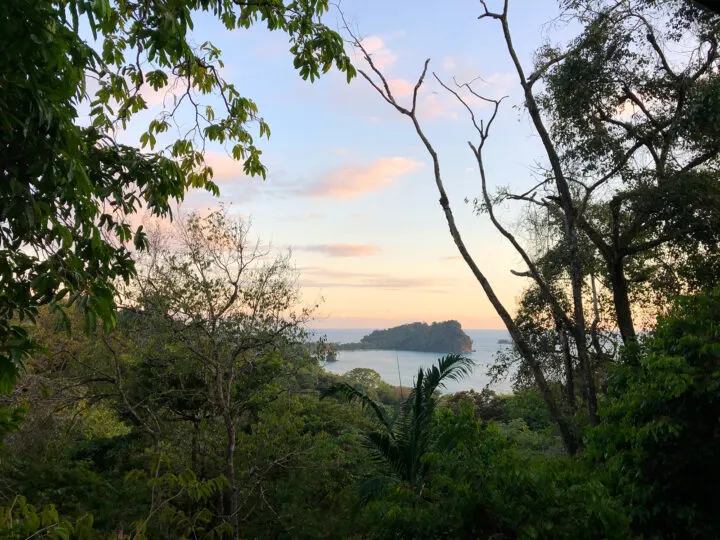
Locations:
659 441
405 438
485 485
20 521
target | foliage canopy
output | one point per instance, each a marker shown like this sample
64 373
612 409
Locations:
74 74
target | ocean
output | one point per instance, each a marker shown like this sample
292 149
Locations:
386 363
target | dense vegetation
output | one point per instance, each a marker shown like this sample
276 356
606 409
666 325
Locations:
439 337
134 441
198 408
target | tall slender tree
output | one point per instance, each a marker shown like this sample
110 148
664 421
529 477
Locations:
628 134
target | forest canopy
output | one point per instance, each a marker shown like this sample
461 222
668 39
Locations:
163 383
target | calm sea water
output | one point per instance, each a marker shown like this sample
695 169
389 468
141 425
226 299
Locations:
485 345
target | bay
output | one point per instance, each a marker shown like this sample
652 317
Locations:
402 366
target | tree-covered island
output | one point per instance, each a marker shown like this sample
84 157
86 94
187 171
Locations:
441 337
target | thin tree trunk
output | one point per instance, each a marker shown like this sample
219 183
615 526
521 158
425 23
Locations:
526 352
566 431
621 300
231 503
569 214
599 353
568 362
576 278
195 445
615 263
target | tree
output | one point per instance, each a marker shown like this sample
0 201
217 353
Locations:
659 440
576 325
67 188
20 520
634 127
228 308
404 440
481 483
368 380
612 214
208 354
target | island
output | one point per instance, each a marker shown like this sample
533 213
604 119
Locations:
439 337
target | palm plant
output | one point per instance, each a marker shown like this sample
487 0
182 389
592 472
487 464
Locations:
405 438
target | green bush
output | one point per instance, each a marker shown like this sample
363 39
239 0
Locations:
659 441
481 486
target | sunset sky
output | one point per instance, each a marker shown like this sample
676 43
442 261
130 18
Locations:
350 187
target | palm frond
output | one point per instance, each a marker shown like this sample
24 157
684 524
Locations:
349 393
372 487
451 367
386 450
408 437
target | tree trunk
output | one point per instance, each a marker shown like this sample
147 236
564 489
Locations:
231 494
570 223
621 300
580 329
568 361
568 435
569 439
195 445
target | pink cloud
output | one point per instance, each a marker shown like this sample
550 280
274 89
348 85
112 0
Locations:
328 278
437 105
344 250
401 87
628 110
164 96
224 166
381 56
352 181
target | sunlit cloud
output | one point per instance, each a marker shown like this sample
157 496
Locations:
328 278
223 165
438 105
165 96
381 55
401 87
343 250
351 181
629 109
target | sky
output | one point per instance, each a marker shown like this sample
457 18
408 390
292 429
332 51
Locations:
350 188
